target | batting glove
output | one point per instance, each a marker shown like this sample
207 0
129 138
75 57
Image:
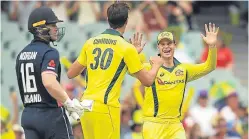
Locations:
74 108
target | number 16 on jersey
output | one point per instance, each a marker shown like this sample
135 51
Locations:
28 80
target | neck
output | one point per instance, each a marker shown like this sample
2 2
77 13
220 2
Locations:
40 39
120 30
168 62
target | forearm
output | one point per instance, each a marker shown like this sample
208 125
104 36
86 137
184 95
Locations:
72 74
212 58
75 70
200 70
146 77
151 74
209 65
56 91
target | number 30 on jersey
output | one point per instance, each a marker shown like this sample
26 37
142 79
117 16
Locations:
100 58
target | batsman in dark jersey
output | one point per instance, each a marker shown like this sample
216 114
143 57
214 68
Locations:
38 72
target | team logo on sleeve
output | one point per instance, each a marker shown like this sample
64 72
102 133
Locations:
179 72
51 65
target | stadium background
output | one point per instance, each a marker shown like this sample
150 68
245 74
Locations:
185 19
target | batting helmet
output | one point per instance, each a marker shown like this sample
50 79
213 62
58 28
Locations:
39 18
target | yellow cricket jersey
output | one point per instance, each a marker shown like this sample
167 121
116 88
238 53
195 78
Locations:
107 58
163 100
8 133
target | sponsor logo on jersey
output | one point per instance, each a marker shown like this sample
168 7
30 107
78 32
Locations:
179 73
161 82
174 82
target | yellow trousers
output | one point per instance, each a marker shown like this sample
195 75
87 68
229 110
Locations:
101 123
153 130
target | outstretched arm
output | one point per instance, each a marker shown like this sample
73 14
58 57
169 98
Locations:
198 70
134 64
79 65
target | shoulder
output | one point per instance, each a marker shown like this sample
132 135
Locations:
90 40
183 66
126 43
40 47
186 66
52 52
126 46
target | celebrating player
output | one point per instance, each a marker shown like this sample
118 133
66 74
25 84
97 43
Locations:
107 57
38 74
163 100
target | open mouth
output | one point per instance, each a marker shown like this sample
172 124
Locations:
166 51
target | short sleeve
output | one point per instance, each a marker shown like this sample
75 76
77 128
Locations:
82 59
51 61
132 60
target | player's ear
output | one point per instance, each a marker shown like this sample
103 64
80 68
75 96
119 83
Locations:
157 47
126 22
174 44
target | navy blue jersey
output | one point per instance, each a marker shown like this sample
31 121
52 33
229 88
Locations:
31 62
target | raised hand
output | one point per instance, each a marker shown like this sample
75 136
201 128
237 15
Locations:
137 41
211 34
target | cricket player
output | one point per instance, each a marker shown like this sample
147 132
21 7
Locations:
162 106
38 72
107 58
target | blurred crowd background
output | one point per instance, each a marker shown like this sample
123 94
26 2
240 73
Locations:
219 105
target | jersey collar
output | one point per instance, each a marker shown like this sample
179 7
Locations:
39 40
112 32
176 63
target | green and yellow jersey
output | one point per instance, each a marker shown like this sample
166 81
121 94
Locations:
107 57
163 100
